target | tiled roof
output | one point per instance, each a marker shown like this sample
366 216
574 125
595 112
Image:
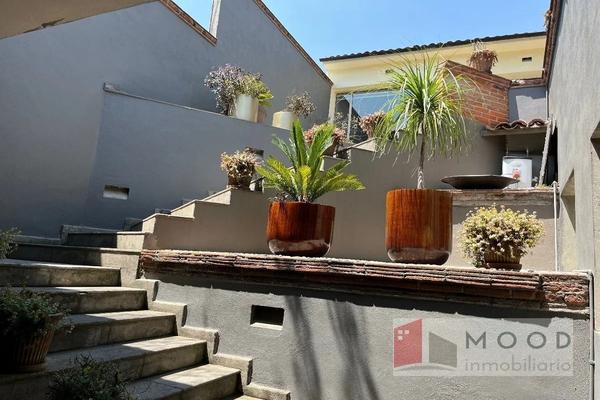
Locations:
518 124
434 45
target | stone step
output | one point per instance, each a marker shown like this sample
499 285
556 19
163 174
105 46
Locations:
115 240
90 330
206 382
95 299
242 397
136 360
125 259
36 273
81 255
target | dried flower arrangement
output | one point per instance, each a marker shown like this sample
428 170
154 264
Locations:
240 168
300 105
369 122
229 81
482 58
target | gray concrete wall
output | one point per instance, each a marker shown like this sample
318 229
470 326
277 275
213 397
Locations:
339 346
51 98
527 103
163 154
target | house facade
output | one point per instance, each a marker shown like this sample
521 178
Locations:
102 80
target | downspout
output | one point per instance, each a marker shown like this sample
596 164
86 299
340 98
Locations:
554 210
592 339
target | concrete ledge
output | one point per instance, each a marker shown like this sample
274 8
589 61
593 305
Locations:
561 292
211 336
244 364
508 197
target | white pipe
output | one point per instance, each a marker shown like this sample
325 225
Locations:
554 204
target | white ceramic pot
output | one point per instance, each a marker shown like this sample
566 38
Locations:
284 119
246 108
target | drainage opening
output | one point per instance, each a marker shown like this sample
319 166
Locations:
266 317
115 192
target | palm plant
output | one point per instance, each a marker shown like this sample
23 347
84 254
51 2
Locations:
426 113
305 181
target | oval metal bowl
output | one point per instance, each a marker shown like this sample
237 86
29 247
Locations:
479 181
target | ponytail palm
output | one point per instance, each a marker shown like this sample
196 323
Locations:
426 113
305 180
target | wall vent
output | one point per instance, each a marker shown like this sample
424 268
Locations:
266 317
527 59
115 192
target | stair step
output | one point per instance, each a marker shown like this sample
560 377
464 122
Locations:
206 382
96 256
136 360
114 240
35 273
95 299
240 397
90 330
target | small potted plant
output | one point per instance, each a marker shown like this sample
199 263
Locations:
240 168
482 58
252 93
425 117
297 226
338 136
27 324
369 122
7 242
89 380
238 93
498 238
295 107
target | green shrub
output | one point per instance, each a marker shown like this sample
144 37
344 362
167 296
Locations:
24 313
7 242
501 231
89 380
305 180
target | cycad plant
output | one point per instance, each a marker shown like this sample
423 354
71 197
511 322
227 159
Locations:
426 113
304 180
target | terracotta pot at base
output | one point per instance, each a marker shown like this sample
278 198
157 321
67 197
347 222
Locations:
300 229
418 227
25 354
497 261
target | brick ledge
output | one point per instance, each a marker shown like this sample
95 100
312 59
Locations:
552 291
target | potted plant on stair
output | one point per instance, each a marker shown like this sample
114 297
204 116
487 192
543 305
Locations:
238 93
240 168
498 238
297 226
295 107
27 324
252 93
338 136
425 116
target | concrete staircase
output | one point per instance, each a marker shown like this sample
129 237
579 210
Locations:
113 323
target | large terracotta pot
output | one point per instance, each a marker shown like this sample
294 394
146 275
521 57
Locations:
300 229
27 354
419 226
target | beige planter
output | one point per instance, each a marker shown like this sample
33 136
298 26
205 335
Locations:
246 108
284 120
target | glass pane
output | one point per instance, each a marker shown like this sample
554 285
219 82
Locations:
366 103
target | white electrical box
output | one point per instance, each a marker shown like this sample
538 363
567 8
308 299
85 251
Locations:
518 167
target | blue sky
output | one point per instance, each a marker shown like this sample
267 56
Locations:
332 27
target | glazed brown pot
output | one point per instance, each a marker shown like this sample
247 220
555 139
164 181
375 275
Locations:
418 227
28 354
497 261
239 182
300 229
